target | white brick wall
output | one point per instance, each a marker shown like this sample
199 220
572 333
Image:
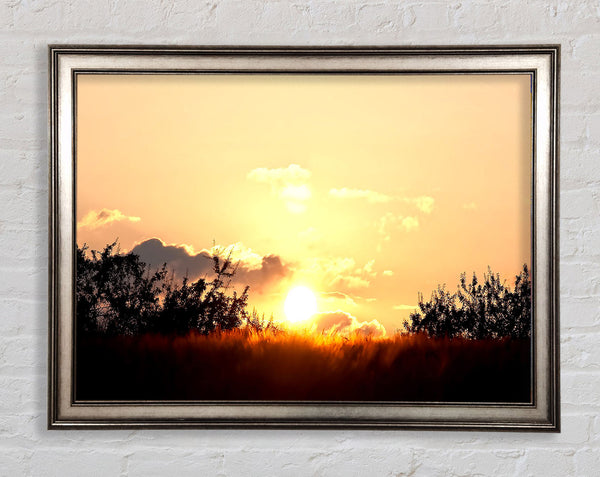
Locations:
28 26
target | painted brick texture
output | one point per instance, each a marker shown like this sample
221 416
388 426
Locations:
27 448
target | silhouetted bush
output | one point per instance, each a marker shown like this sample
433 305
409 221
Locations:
477 310
117 294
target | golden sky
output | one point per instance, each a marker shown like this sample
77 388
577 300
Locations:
367 189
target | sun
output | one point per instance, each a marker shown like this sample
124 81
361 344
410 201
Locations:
300 304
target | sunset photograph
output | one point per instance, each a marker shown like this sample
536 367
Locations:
303 237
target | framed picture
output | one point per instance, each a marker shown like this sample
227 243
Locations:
304 237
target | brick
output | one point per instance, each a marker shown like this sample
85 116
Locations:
591 242
379 17
580 389
575 203
574 432
553 18
579 351
18 429
332 15
22 395
18 168
66 463
484 15
580 88
573 128
499 463
23 317
21 354
43 15
162 461
580 279
587 462
24 245
585 52
203 15
22 206
548 462
89 14
579 168
30 283
573 238
431 16
15 462
593 130
579 312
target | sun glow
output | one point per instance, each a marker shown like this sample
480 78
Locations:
300 304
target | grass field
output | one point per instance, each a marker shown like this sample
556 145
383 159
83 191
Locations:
242 365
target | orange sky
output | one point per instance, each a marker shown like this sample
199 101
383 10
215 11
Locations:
367 189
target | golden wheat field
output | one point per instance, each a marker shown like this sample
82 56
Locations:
299 366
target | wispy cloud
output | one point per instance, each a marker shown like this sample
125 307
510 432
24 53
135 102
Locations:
334 297
288 175
99 218
369 195
469 206
388 273
424 203
288 183
405 307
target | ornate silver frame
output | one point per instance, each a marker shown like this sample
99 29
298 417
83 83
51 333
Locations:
541 61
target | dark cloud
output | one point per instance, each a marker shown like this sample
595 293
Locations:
332 321
155 253
272 269
182 262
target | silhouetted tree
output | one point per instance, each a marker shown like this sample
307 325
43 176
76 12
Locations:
203 306
117 294
477 310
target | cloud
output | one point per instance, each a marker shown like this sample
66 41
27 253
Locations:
295 207
98 218
252 269
405 307
332 297
284 175
409 223
470 206
342 323
309 236
181 259
339 272
388 273
371 196
288 183
390 222
424 203
300 192
237 252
